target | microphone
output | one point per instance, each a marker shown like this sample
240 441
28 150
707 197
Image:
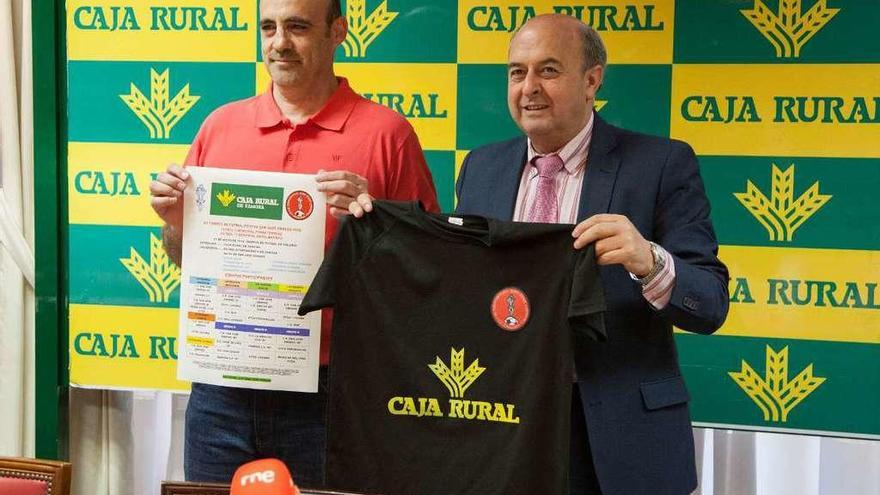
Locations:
263 477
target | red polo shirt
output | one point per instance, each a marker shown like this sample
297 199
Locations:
349 133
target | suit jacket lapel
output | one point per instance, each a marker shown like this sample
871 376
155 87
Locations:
603 164
512 161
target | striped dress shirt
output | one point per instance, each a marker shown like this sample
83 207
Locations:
569 182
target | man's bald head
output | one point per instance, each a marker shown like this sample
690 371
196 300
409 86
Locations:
592 48
555 65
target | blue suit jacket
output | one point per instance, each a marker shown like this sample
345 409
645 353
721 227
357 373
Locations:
634 398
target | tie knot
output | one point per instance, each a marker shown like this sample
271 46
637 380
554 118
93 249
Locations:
548 165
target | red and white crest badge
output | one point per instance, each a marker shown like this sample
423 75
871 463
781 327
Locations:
300 205
510 309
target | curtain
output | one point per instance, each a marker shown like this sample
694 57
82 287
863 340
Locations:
127 442
748 463
102 440
16 231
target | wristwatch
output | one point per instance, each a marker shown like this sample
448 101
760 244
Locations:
659 264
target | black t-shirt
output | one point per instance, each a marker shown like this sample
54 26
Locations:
451 364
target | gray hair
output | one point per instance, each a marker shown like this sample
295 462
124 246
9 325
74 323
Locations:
594 48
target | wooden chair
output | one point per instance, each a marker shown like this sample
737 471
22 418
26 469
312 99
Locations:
20 476
185 488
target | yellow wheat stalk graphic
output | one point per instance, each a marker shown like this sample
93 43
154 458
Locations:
781 214
158 113
775 395
600 104
456 378
363 30
788 30
749 380
225 198
159 277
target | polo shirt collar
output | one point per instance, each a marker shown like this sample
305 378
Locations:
332 116
337 109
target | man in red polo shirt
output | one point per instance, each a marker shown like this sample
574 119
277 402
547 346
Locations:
308 121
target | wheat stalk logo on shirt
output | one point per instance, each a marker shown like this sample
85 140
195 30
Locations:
781 214
363 29
159 277
789 29
456 378
159 113
775 394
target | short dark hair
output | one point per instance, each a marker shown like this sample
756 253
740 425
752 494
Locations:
334 11
594 50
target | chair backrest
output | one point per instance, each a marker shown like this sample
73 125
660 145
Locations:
186 488
20 476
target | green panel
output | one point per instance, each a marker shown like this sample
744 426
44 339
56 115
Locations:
97 276
422 31
50 375
847 401
716 32
483 116
98 114
637 96
442 165
848 220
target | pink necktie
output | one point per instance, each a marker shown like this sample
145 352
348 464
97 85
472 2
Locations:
545 208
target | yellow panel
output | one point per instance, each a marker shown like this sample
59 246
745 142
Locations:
424 93
777 277
185 31
262 79
770 110
110 183
634 31
124 347
459 160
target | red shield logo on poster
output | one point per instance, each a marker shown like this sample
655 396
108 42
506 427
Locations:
510 309
300 205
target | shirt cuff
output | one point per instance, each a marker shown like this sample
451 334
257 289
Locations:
658 291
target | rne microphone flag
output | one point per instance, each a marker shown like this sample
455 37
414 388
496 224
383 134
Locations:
263 477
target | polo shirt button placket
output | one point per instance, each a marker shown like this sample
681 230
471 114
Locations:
289 157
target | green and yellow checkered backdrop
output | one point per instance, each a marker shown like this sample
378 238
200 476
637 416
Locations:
780 99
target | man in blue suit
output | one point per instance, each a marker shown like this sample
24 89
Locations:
641 200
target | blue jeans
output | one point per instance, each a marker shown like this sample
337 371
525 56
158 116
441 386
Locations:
227 427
